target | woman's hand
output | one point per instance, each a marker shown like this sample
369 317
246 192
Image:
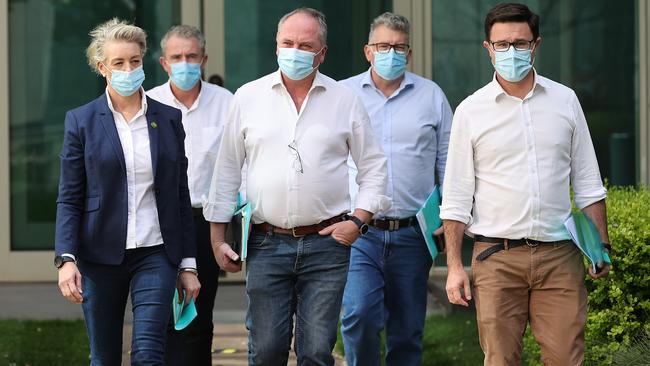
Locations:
188 281
70 282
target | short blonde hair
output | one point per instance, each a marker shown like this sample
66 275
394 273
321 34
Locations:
113 30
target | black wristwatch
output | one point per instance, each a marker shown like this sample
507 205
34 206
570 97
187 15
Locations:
363 227
60 260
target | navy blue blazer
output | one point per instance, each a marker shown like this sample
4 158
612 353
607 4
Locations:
91 212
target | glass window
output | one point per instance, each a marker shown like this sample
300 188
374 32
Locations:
251 27
48 76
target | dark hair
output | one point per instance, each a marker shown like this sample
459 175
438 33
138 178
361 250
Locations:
511 12
216 79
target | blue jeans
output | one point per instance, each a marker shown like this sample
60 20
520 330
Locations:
286 276
387 287
151 279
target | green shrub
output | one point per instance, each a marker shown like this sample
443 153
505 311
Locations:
619 305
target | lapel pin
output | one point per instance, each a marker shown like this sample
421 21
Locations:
154 125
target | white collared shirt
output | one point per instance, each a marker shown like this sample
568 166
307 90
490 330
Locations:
143 225
510 162
203 124
263 123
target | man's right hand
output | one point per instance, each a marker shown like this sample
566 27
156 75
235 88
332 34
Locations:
70 282
227 259
458 280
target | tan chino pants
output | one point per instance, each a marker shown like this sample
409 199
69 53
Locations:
543 286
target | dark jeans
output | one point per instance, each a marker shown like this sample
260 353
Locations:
387 287
193 345
151 278
286 276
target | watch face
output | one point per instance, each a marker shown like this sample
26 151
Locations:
58 261
363 229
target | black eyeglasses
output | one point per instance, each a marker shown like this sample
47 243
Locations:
297 162
400 48
519 45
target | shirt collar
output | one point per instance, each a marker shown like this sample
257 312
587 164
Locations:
168 89
407 81
143 102
495 90
276 79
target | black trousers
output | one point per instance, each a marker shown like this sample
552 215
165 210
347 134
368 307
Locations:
193 345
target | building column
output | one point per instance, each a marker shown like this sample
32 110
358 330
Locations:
419 14
644 92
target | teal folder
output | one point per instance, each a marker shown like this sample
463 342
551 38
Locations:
183 313
584 234
241 223
429 219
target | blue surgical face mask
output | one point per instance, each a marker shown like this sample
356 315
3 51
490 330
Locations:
513 65
185 74
389 65
296 64
125 83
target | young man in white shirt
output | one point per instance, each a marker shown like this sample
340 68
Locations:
295 129
204 107
516 146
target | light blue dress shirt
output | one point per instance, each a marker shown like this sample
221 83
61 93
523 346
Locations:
413 127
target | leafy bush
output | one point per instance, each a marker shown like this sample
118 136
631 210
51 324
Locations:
619 305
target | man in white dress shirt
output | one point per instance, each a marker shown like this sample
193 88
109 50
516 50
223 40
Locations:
516 147
295 129
204 107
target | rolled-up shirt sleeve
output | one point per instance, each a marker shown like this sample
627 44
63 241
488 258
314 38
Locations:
368 156
226 178
585 176
459 184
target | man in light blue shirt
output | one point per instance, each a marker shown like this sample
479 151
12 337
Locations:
389 266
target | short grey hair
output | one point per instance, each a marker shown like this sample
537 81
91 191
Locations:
320 17
113 30
183 31
391 21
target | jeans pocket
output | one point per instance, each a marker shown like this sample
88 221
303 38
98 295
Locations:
258 240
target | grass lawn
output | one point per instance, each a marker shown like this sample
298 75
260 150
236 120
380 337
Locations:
37 343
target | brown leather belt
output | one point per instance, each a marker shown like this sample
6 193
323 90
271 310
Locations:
505 244
393 224
300 231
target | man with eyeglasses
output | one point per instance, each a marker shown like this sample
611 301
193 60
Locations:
295 128
517 146
389 266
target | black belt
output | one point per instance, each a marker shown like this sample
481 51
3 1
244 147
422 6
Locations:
393 224
506 244
197 211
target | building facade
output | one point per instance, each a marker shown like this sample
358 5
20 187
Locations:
597 47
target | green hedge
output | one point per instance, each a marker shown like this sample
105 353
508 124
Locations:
619 305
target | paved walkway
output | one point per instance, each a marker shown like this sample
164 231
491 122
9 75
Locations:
229 346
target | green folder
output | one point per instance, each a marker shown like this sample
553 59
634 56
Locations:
429 219
183 313
584 234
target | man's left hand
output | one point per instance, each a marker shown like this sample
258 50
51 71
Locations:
190 283
603 272
344 232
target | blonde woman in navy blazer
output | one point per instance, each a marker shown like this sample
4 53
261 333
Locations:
124 221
